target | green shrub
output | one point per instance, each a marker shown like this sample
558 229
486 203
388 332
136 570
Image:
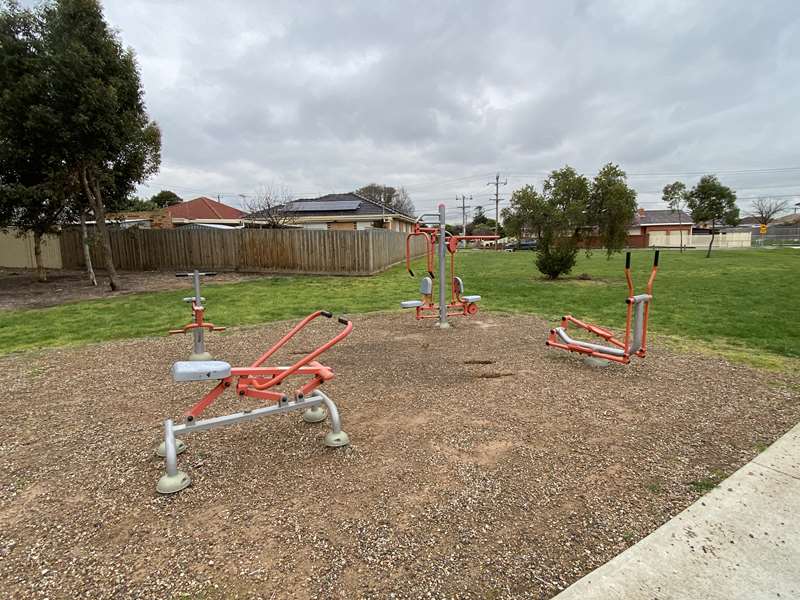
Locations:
557 260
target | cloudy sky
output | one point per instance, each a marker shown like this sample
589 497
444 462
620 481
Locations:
439 96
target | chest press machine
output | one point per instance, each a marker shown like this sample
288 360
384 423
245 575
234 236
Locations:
459 304
635 341
255 381
197 326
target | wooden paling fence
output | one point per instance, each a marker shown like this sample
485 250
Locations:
248 250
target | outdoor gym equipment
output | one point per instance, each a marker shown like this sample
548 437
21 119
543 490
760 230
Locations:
459 305
635 342
254 381
198 325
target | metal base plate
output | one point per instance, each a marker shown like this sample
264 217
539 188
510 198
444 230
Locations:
337 440
180 446
170 484
595 362
315 414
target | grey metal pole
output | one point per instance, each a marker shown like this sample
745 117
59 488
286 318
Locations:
199 333
442 269
197 288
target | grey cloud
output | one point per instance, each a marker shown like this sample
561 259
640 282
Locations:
327 96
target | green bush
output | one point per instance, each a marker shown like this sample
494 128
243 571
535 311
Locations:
553 261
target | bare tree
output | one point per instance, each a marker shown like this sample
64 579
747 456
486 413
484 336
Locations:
403 203
765 209
270 207
395 198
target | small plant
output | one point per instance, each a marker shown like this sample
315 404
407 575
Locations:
653 488
761 446
628 537
706 484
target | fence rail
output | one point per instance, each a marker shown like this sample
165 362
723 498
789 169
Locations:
267 250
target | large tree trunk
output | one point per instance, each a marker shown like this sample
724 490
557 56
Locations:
711 243
92 189
87 255
41 272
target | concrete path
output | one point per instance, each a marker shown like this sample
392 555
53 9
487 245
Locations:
740 541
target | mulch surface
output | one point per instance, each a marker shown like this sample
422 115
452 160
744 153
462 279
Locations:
19 288
482 465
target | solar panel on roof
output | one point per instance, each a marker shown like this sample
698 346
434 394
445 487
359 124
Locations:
317 206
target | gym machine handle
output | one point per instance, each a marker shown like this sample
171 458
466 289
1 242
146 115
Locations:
628 259
655 260
329 315
308 357
201 273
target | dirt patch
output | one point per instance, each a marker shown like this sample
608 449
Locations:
453 486
20 289
478 362
493 375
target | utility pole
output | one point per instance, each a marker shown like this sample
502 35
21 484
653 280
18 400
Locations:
464 208
497 183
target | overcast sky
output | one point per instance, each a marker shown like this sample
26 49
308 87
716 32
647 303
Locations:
439 96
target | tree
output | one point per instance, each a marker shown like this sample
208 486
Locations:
526 215
765 209
711 201
165 198
556 216
105 137
33 185
483 225
611 207
565 198
270 207
676 197
395 198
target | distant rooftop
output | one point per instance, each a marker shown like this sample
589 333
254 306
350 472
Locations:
203 208
662 217
347 204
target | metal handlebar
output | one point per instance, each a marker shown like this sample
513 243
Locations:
200 273
308 357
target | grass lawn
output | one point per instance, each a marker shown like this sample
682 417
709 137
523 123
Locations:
743 303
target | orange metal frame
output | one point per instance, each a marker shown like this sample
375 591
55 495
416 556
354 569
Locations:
457 305
198 323
256 380
554 341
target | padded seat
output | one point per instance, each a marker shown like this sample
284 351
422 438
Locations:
470 299
411 303
200 370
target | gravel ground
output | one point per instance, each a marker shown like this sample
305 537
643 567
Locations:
491 468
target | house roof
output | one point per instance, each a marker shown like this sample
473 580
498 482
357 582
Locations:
788 220
338 205
661 217
204 208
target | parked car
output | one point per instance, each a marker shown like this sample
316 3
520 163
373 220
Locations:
522 245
